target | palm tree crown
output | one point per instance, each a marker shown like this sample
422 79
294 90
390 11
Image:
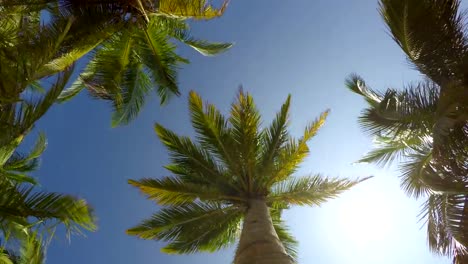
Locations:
233 168
427 122
130 43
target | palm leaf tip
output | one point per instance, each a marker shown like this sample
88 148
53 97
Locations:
139 185
134 183
356 84
312 129
135 231
208 48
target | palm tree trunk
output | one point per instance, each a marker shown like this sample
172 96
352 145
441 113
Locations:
259 243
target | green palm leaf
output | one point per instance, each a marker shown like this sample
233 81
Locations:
245 123
204 47
273 139
174 191
294 151
32 250
48 209
312 190
431 33
192 227
16 166
21 162
159 56
213 132
77 86
389 149
136 86
190 161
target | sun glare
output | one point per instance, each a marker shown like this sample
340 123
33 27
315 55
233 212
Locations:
366 217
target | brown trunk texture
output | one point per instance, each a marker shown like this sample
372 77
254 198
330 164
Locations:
259 243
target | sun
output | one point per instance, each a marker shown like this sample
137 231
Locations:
367 217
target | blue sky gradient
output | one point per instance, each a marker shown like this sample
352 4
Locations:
305 48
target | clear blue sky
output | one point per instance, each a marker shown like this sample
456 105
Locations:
302 47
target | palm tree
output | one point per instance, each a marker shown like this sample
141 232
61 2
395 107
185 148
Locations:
235 172
426 123
133 62
401 122
26 214
130 41
22 208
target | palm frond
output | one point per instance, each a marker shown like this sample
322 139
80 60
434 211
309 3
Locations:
136 86
213 132
17 166
103 74
207 48
245 123
77 86
51 37
311 190
174 191
179 30
294 152
20 161
32 250
458 218
204 47
412 109
446 224
389 149
431 33
415 171
356 84
8 149
5 258
159 57
273 139
49 209
76 40
191 162
192 227
18 177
